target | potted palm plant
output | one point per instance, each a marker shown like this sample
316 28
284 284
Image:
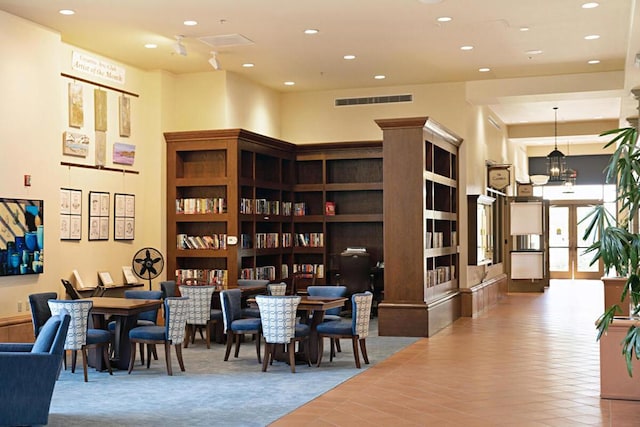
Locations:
617 244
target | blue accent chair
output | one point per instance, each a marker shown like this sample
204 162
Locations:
357 329
40 311
29 373
329 291
171 334
278 316
252 311
234 325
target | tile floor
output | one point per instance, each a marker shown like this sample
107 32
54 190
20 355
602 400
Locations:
532 360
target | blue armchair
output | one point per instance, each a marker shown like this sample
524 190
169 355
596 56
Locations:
29 373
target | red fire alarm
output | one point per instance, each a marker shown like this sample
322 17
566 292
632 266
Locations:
27 180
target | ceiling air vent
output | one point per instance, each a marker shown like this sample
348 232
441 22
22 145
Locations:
226 40
386 99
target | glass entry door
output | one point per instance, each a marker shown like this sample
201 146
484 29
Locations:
567 259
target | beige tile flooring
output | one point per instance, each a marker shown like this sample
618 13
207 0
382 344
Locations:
532 360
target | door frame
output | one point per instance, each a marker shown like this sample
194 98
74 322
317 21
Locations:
572 272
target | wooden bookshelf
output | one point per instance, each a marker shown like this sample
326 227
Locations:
420 199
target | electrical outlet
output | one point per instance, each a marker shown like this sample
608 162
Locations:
19 306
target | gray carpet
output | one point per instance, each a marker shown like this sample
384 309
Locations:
210 393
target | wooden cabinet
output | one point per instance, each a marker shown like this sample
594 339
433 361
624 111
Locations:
420 202
227 192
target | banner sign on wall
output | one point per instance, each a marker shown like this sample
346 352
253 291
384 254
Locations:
97 67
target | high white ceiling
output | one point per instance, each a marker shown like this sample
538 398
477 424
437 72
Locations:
398 38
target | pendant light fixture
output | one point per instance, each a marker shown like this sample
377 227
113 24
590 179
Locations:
556 161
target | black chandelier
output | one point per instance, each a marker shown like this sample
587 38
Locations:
556 161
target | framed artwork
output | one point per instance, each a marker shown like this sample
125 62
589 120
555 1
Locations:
124 207
129 277
105 278
124 154
101 148
125 116
76 113
100 109
70 214
21 236
75 144
99 215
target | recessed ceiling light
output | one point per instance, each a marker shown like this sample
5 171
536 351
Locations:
444 19
190 23
523 29
534 52
66 12
311 31
590 5
289 83
151 45
466 48
248 65
349 57
592 37
380 77
430 1
593 61
484 69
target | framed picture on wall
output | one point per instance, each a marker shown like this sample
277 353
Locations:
99 215
124 216
100 109
76 113
70 214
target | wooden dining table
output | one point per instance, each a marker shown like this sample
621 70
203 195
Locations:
125 313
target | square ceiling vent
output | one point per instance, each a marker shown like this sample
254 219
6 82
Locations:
226 40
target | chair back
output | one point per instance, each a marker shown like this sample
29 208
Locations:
277 289
79 311
151 315
168 288
175 309
355 272
199 305
361 313
278 316
328 291
231 302
40 311
71 290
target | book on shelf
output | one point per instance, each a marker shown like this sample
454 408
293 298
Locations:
329 208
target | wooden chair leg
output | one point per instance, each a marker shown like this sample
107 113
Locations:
187 335
74 359
291 349
229 344
267 356
132 358
338 349
354 343
142 354
237 350
307 354
363 349
179 356
64 359
257 338
208 333
84 364
148 355
320 349
332 352
154 351
105 357
167 356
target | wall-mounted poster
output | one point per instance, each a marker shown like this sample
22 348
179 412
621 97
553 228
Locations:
98 215
124 154
70 214
21 237
101 148
76 113
100 109
75 144
125 116
124 216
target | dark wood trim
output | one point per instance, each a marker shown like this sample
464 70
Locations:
80 79
104 168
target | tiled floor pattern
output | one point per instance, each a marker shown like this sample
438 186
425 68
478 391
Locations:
532 360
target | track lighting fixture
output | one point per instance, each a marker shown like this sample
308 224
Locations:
178 47
214 61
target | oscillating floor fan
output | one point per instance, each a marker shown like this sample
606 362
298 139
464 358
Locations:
147 264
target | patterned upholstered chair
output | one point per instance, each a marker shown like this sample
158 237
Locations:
357 329
79 336
278 315
171 334
277 289
235 326
40 311
199 312
329 291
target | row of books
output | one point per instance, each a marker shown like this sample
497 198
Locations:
267 240
312 240
299 209
264 207
440 275
215 241
436 239
285 240
203 277
267 272
309 270
201 205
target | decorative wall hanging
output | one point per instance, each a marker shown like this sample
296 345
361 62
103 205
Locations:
98 215
76 113
21 237
75 144
101 148
100 109
70 214
124 154
124 207
125 116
